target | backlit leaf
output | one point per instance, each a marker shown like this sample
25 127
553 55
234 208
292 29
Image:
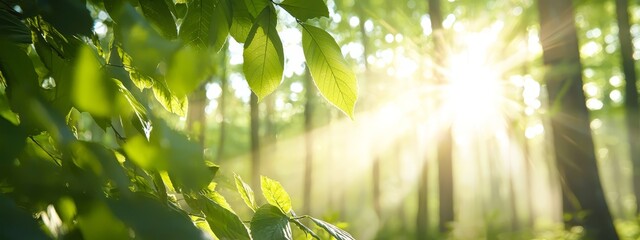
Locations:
263 55
144 153
305 9
256 6
159 14
330 71
269 223
92 92
171 102
187 70
241 22
207 23
275 194
245 192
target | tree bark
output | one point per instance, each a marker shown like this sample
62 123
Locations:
631 93
574 149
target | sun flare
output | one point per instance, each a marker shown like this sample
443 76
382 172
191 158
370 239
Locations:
474 93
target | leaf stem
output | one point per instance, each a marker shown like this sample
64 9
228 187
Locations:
56 160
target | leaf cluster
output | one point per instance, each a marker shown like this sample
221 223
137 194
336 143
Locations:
86 152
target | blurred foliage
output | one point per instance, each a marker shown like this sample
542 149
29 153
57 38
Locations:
89 151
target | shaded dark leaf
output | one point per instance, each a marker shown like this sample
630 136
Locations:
152 220
270 223
16 223
70 17
13 29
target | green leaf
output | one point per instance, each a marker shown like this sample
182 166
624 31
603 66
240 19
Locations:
106 163
92 92
159 14
143 153
13 29
181 10
246 193
171 102
12 138
330 71
141 80
255 7
263 55
145 47
135 105
207 23
270 223
99 223
60 70
223 222
275 194
15 223
336 232
185 158
150 219
241 22
70 17
171 151
305 9
187 70
18 71
22 87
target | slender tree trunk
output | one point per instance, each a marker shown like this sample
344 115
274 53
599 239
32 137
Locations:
445 180
255 142
196 119
631 94
222 102
375 165
308 142
375 177
445 166
422 217
574 149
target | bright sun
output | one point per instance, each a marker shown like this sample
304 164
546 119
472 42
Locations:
474 93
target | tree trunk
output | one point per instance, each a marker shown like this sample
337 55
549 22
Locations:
422 223
196 119
222 102
375 165
631 94
574 149
255 143
445 167
445 179
308 142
